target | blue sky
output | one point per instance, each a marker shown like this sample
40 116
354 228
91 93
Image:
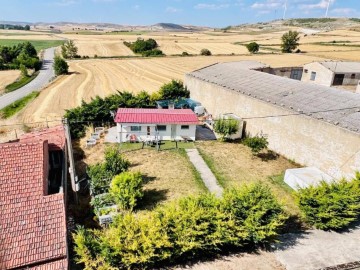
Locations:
215 13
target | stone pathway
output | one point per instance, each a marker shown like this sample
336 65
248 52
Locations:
206 174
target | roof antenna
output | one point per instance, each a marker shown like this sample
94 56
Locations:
285 9
327 9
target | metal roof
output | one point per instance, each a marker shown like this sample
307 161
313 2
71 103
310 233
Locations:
327 104
156 116
345 67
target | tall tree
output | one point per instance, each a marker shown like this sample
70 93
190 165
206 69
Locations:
289 41
69 50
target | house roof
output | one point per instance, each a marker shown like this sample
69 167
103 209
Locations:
340 108
54 135
32 225
342 67
156 116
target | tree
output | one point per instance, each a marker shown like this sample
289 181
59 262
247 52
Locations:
226 127
174 90
205 52
289 41
60 66
24 71
69 50
27 27
253 47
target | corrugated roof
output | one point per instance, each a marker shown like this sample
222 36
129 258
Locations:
339 66
32 226
156 116
341 108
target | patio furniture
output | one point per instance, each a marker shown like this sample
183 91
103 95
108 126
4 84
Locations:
100 130
95 136
90 142
133 138
186 138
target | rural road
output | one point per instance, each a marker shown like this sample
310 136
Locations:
45 75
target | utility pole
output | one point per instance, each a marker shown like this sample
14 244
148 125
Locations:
72 171
285 9
327 9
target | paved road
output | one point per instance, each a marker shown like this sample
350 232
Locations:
206 174
45 75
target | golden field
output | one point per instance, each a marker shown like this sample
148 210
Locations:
7 77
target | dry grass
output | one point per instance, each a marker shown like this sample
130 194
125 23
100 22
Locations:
234 164
7 77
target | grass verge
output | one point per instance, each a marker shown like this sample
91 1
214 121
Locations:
38 44
20 83
17 106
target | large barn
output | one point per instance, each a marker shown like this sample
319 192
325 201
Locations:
308 123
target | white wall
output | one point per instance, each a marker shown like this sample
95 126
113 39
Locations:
124 131
324 76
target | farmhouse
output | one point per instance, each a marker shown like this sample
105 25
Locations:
32 191
332 73
311 124
155 124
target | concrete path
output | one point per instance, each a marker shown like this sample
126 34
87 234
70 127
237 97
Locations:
316 249
45 75
207 176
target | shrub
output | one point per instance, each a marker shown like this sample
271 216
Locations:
126 189
185 54
205 52
187 228
155 52
141 45
253 47
257 143
60 66
331 205
226 127
24 71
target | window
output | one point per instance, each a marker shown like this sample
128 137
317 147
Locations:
352 76
135 128
185 127
306 71
313 76
161 128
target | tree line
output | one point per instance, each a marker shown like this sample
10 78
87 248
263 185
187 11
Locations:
13 57
15 27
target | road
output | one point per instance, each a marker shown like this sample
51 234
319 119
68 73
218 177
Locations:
45 75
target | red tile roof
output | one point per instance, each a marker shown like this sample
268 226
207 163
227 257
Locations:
32 226
56 265
156 116
54 135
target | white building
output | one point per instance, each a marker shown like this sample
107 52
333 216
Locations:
155 124
331 73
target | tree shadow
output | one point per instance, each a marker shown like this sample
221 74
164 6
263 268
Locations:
269 155
151 198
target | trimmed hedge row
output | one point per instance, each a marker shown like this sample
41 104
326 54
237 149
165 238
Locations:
186 228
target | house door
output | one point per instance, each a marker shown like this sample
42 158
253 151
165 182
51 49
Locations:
148 131
173 132
338 79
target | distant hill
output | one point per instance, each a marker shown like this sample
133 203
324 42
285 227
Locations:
170 26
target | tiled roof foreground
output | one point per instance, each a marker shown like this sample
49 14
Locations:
331 105
32 225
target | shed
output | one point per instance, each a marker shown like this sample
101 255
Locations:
305 177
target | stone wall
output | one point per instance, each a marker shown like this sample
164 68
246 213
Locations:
301 138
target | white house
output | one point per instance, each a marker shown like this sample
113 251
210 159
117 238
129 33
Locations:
160 124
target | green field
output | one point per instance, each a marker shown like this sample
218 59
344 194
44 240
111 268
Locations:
38 44
17 106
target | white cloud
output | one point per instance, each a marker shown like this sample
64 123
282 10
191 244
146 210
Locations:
64 3
343 11
268 4
172 10
322 4
211 6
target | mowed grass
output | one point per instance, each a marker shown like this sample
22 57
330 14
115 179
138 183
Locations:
38 44
17 106
233 164
168 174
20 83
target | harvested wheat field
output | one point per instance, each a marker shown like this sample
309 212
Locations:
7 77
104 77
27 35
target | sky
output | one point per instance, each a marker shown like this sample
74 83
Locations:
213 13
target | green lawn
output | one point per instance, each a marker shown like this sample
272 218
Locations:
164 145
38 44
17 106
20 83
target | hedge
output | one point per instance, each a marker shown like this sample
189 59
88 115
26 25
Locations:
184 229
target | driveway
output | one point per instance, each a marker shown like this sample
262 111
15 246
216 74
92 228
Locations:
45 75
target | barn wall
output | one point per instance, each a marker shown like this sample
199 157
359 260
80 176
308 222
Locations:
323 75
298 137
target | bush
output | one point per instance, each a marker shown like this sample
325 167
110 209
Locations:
226 127
155 52
126 189
253 47
60 66
257 143
101 174
185 54
141 45
205 52
331 205
24 71
184 229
